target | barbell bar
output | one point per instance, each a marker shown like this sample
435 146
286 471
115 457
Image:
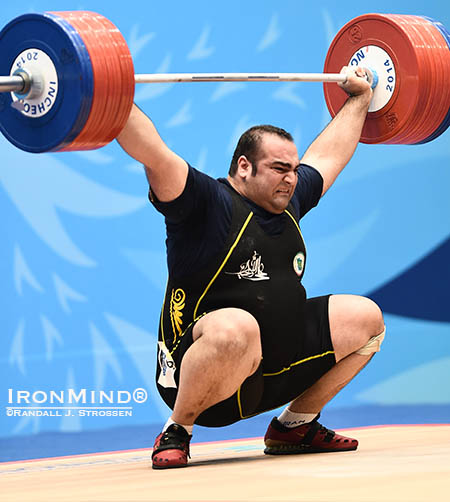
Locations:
238 77
15 83
71 79
19 83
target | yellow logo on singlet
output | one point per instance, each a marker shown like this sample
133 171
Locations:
177 303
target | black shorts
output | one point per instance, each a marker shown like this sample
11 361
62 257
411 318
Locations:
263 392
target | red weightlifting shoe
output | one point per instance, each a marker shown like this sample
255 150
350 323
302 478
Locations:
171 448
306 438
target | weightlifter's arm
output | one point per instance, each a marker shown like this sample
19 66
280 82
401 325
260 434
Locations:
330 152
166 171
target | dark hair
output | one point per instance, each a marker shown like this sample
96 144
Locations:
249 143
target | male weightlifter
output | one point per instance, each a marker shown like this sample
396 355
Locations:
237 334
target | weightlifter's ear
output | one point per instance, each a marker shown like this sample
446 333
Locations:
244 167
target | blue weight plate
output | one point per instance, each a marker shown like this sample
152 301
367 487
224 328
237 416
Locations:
446 122
66 118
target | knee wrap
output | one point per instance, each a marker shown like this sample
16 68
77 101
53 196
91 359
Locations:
373 345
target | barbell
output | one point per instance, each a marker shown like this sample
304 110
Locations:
68 79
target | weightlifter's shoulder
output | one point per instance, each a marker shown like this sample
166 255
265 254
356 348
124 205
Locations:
202 196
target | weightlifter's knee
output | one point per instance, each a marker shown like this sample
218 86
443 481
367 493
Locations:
375 329
373 345
356 324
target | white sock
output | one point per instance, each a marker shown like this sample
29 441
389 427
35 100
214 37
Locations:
291 419
169 422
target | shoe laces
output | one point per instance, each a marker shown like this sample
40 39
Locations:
175 436
170 436
321 429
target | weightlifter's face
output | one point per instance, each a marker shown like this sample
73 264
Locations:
276 174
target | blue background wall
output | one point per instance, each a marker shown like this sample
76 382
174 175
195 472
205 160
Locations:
82 257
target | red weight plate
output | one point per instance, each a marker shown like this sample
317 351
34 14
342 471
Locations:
430 120
93 136
427 78
103 48
381 31
126 70
438 49
128 81
115 76
444 37
88 137
426 117
107 44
